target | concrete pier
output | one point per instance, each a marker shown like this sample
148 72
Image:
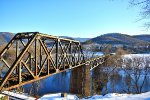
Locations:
80 80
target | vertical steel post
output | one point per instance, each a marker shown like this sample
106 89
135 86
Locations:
83 59
40 56
78 53
17 48
48 66
35 57
30 61
20 71
17 53
57 42
70 54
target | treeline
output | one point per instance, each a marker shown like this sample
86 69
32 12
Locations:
109 48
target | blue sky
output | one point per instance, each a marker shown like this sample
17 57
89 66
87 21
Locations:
76 18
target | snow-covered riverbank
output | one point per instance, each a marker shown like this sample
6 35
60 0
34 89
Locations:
116 96
110 96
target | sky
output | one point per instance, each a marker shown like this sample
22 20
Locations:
75 18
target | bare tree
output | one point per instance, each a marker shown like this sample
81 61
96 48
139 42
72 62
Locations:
145 9
136 69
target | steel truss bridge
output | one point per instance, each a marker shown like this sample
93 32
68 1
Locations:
35 56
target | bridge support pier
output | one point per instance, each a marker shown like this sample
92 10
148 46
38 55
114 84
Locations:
80 80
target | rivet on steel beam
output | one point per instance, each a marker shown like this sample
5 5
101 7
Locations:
57 70
70 66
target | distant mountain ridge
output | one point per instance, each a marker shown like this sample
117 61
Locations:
76 38
145 37
109 38
5 37
82 39
118 38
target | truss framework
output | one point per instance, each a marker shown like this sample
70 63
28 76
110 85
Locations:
37 56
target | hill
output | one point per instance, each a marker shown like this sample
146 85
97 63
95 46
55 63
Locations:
109 38
117 38
143 37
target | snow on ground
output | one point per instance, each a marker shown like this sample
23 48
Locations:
116 96
18 96
136 55
110 96
57 96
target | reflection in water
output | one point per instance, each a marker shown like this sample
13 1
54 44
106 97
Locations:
54 84
61 83
120 85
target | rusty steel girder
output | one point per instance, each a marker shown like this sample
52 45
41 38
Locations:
37 56
32 56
